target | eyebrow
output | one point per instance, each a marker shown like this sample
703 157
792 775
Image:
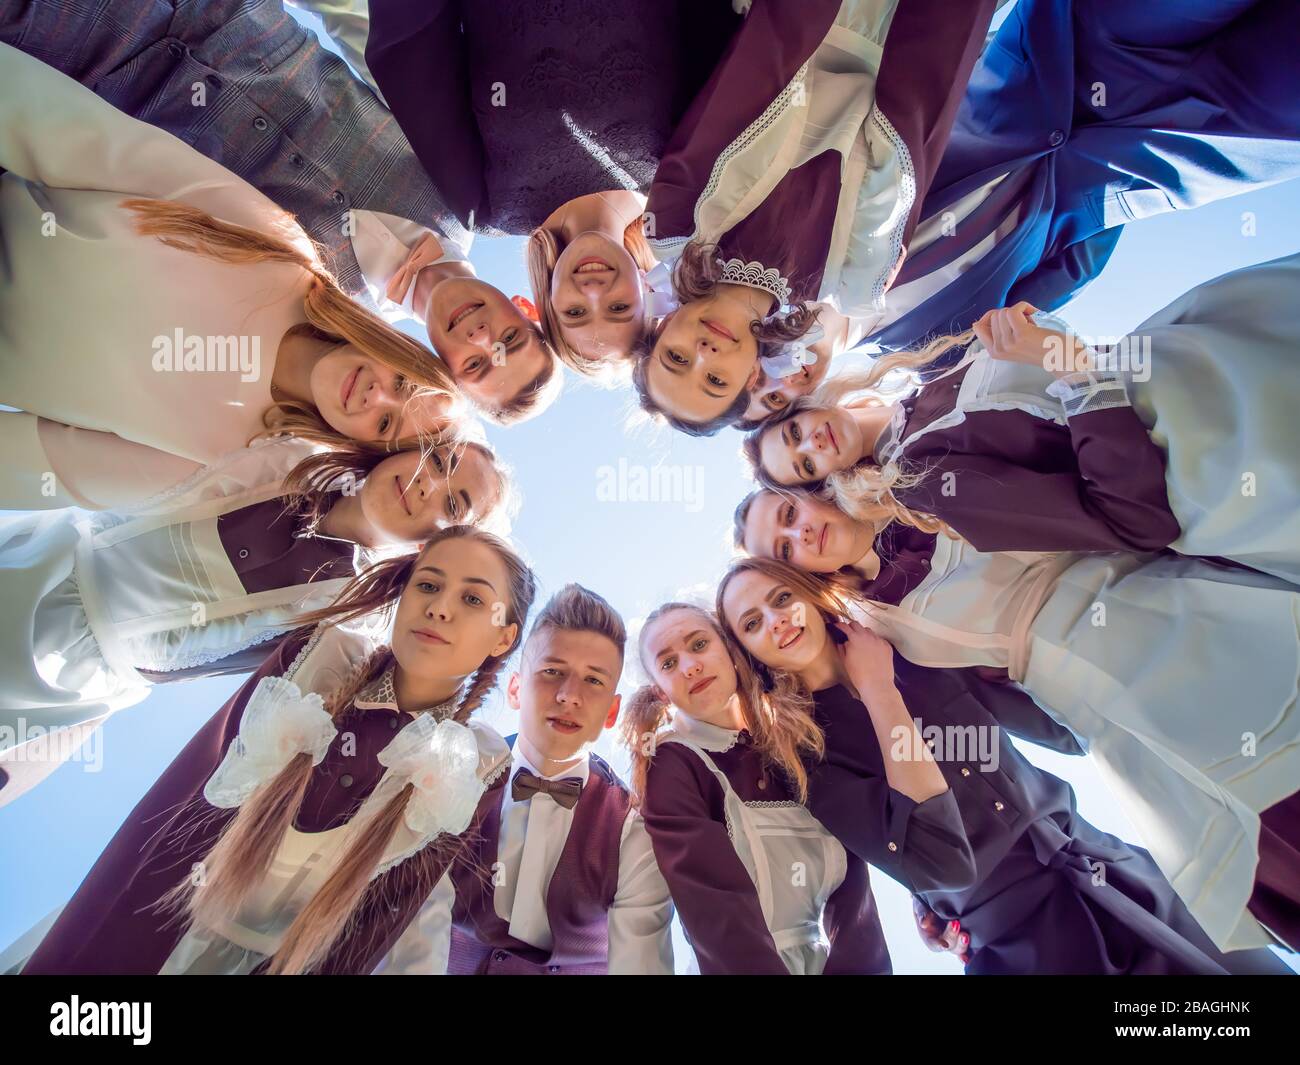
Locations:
554 659
468 580
685 639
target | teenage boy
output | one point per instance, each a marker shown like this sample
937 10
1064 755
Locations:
562 878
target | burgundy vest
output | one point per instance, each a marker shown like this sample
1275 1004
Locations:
578 897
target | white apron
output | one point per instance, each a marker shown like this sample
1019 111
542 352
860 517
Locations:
1163 666
305 860
90 599
772 839
829 105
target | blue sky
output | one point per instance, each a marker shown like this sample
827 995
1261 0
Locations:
635 553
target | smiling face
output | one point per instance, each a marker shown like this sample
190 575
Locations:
363 399
807 532
772 395
467 320
406 498
704 357
810 446
596 297
446 622
685 658
772 622
566 690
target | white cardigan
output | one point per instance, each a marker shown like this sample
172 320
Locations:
86 304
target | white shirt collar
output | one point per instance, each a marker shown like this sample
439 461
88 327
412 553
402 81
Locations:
711 737
381 694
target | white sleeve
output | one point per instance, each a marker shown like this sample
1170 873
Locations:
423 948
640 920
58 133
347 24
49 465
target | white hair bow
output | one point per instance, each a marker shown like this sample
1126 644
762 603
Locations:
794 355
440 760
279 723
660 299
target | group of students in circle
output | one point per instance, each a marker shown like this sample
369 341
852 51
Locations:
950 532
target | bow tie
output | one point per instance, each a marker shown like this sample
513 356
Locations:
566 791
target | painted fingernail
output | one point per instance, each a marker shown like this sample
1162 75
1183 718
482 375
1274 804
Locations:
965 940
954 926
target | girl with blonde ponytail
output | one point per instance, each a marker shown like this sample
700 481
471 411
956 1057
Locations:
197 316
718 770
352 771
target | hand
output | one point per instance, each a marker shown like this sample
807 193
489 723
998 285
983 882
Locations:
427 250
1011 336
867 656
940 935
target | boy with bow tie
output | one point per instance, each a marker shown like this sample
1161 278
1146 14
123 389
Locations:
562 878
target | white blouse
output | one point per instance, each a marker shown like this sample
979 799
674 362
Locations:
92 312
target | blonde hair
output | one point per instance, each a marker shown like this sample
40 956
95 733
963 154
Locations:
244 851
331 314
781 732
865 491
541 254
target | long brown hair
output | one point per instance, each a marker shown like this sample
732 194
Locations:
786 693
781 732
331 314
696 276
313 486
542 253
247 845
866 491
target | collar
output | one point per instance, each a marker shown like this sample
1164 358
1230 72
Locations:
713 738
381 694
582 770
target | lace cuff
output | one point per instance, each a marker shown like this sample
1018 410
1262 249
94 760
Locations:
1088 391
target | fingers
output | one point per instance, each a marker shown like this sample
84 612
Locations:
1023 309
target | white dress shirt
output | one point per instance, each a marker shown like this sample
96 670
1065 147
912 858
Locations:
533 834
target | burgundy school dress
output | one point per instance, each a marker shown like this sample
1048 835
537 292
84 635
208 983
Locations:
929 52
578 898
1006 480
1051 894
515 107
111 925
712 891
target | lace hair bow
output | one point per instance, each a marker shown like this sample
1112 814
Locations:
279 723
660 299
794 355
440 760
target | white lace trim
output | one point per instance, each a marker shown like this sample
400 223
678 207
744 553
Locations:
307 649
906 198
754 274
751 133
1088 391
215 654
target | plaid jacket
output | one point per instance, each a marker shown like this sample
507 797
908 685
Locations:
244 83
